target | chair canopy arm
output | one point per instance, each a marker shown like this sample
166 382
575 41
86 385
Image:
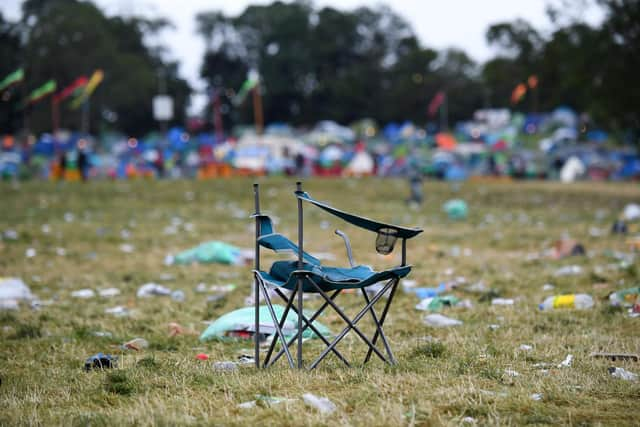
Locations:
360 221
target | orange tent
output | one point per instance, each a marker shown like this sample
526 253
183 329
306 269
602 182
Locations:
446 141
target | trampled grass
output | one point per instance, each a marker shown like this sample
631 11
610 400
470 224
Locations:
444 375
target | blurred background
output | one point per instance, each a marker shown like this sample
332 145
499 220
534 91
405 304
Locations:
206 89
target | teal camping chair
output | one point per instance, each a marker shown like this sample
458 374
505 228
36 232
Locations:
307 274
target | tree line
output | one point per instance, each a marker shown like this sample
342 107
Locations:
324 63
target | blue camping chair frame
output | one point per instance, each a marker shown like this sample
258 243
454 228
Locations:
307 274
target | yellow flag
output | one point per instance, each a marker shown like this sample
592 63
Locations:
91 86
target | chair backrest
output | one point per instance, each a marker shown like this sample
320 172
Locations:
268 238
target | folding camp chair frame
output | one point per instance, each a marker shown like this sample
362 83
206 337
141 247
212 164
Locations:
261 286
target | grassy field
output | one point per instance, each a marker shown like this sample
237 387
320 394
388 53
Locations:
445 376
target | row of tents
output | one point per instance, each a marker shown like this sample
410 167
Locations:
494 143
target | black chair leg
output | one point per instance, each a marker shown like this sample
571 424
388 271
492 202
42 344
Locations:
276 323
351 325
379 331
383 317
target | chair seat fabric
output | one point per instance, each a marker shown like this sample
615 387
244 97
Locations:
285 274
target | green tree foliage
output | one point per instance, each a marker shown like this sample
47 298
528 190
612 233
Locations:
63 39
9 62
591 69
332 64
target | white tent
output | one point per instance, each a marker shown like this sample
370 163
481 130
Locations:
361 164
572 169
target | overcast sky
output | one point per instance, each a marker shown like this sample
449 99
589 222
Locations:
438 23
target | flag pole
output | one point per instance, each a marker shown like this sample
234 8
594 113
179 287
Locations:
444 119
217 118
55 116
257 110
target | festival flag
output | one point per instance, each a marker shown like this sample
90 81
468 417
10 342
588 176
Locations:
39 93
436 103
532 81
16 77
518 93
74 87
91 85
252 81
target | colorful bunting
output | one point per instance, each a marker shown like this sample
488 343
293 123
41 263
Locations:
91 86
39 93
16 77
518 93
77 84
250 83
436 103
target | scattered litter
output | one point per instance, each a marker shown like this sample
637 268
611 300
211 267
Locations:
623 374
408 284
526 347
437 303
241 324
566 363
46 228
214 251
9 304
118 311
136 344
222 288
565 248
178 295
83 293
30 253
69 217
202 356
478 288
511 373
568 270
61 251
616 356
494 327
100 361
177 329
438 320
423 293
548 287
631 212
536 396
127 248
12 290
166 277
626 297
102 334
225 366
108 292
619 227
502 301
468 420
10 235
456 209
152 289
264 400
578 301
322 404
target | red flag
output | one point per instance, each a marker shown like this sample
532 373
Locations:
436 102
69 90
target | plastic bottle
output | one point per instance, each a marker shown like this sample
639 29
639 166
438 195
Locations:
624 297
579 301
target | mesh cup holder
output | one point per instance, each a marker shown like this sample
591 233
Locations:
385 240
